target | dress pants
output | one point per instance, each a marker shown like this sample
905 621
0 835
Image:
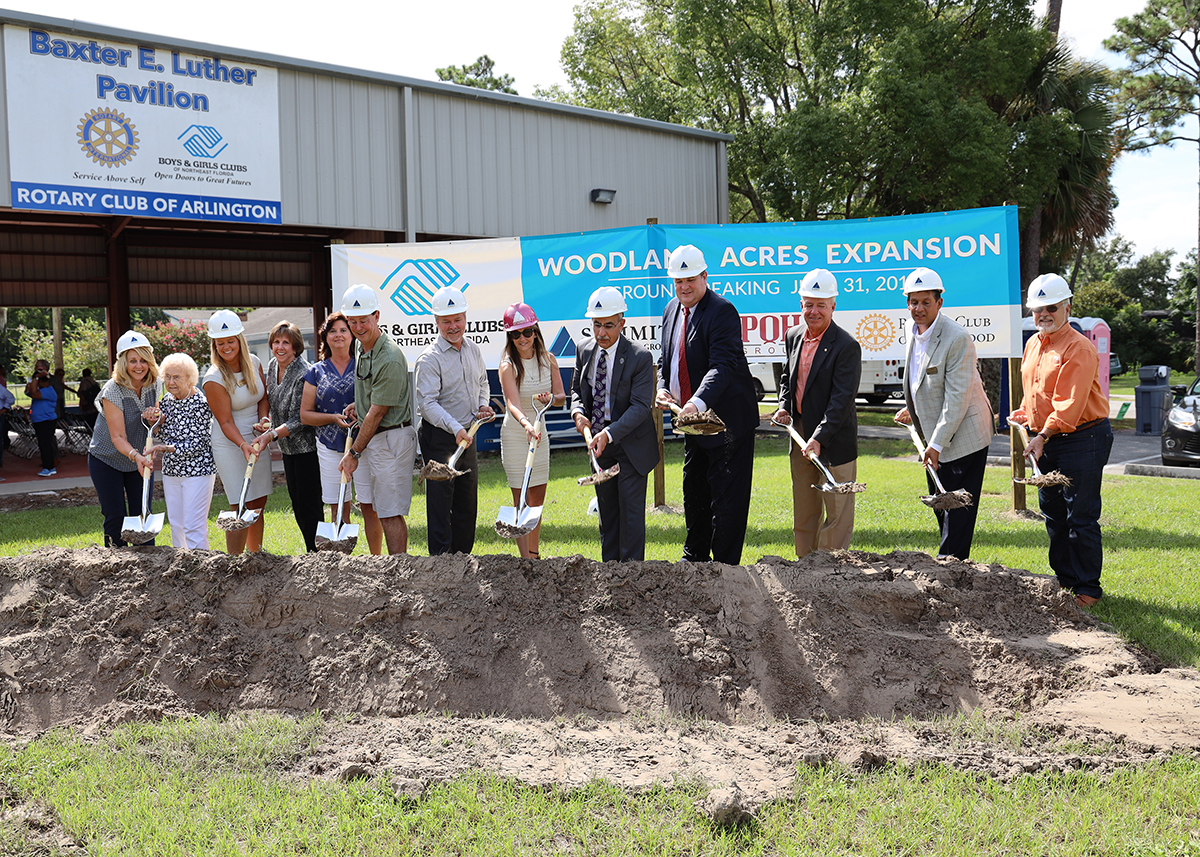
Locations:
957 526
189 499
451 507
622 502
303 475
820 521
1072 512
716 498
120 495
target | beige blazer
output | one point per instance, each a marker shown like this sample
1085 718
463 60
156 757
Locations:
945 394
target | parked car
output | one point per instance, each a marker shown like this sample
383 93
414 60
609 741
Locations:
1114 366
1181 431
763 376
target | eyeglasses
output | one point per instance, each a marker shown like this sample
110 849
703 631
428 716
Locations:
367 359
1048 308
521 334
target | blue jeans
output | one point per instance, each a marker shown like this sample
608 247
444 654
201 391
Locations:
1072 512
117 491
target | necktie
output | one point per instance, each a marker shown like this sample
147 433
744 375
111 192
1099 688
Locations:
600 392
685 383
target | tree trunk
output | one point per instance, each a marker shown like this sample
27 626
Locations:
1053 15
1197 354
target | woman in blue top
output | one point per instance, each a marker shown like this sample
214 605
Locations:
115 459
43 413
328 389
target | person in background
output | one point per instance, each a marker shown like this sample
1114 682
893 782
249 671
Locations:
116 461
43 413
328 390
286 371
1067 415
7 401
705 330
612 396
945 402
58 382
188 471
87 390
386 441
817 388
528 372
452 388
236 390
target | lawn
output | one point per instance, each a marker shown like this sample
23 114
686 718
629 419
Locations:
214 786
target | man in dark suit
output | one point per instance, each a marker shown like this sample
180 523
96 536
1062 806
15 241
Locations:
824 364
612 395
717 469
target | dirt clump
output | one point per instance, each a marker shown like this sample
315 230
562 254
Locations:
562 670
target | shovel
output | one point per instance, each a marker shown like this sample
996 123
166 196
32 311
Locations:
943 500
139 529
337 536
706 422
599 475
1038 479
829 486
243 517
438 472
512 523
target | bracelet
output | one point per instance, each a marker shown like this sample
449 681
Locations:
133 454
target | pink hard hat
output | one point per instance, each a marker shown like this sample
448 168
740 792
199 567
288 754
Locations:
518 317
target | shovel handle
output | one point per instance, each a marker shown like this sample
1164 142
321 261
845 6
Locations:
1025 440
799 438
349 442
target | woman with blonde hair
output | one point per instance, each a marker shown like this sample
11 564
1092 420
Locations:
236 390
188 469
528 373
286 371
116 461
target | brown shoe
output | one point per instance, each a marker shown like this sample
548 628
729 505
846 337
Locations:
1086 601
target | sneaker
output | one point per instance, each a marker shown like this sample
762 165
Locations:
45 472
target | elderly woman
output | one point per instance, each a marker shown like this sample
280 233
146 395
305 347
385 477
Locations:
115 459
188 470
286 371
237 396
328 389
528 373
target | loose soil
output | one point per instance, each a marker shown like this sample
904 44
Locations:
562 670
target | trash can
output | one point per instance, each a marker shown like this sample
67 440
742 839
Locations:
1152 399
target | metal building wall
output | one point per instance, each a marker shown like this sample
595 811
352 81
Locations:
495 169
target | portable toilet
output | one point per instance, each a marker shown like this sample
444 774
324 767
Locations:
1095 329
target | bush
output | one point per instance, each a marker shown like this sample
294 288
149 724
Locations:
166 338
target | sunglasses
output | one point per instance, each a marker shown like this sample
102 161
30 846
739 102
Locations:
1048 308
521 334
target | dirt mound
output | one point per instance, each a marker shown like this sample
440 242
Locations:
645 671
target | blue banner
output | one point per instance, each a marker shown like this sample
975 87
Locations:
139 203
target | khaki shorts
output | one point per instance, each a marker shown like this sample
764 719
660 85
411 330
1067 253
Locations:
384 477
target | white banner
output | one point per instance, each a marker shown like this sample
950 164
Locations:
113 128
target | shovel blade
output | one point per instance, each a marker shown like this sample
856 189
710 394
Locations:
347 532
511 524
326 532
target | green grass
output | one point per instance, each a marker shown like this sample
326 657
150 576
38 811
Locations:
1123 385
204 786
201 786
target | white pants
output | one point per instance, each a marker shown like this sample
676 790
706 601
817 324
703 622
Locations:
188 500
331 477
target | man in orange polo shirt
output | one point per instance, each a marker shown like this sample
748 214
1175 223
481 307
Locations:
1067 416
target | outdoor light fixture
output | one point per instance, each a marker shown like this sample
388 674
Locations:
602 196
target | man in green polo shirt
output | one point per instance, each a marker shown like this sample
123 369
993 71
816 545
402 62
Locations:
386 441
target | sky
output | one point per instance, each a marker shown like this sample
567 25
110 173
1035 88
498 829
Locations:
1157 190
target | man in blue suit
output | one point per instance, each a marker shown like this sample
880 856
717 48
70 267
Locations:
612 395
706 330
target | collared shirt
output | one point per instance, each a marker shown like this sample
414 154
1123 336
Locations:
920 347
611 351
1060 374
674 380
7 399
452 384
284 396
808 350
381 378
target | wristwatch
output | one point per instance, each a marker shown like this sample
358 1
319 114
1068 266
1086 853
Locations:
353 454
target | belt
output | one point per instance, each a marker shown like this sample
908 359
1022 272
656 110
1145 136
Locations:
1081 426
404 424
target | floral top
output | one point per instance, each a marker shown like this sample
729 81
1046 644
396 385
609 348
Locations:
334 392
285 397
185 425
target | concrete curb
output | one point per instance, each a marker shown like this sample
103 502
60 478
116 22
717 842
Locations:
1160 470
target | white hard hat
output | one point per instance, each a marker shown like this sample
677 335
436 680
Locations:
819 283
224 322
1047 289
448 301
131 339
685 261
605 301
923 280
360 299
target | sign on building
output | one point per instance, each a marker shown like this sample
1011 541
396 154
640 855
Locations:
112 128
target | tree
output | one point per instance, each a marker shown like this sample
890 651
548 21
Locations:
1160 90
479 75
166 338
